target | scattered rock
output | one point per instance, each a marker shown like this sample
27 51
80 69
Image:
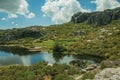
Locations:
89 40
49 64
91 67
103 30
84 70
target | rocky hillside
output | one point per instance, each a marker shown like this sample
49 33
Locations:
97 18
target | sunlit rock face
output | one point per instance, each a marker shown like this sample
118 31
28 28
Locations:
108 74
97 18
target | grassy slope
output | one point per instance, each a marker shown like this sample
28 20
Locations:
77 39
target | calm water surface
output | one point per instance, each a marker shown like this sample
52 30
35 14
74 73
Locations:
21 56
7 58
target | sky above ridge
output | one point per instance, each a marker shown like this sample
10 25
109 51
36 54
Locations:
22 13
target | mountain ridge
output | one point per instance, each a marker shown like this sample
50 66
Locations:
97 18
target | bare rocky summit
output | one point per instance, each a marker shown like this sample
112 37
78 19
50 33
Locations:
97 18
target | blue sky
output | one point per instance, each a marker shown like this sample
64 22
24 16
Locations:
22 13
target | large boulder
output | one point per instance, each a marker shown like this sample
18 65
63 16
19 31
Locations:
108 74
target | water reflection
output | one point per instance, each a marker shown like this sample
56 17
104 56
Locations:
26 60
67 59
47 57
21 56
9 58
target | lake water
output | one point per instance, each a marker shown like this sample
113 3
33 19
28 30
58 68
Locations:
9 58
16 56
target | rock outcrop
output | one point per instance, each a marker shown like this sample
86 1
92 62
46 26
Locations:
108 74
97 18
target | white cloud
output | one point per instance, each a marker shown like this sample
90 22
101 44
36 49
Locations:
31 15
3 19
105 4
12 16
61 10
14 7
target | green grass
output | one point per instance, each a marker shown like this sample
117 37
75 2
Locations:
89 75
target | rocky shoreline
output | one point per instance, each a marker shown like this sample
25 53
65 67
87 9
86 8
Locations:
29 49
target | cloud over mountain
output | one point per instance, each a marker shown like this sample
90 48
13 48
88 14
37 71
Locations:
14 8
61 10
105 4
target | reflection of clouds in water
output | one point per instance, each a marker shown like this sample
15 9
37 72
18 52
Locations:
48 58
66 59
8 58
26 60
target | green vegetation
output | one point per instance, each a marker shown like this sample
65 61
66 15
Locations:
110 64
40 71
89 75
69 38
